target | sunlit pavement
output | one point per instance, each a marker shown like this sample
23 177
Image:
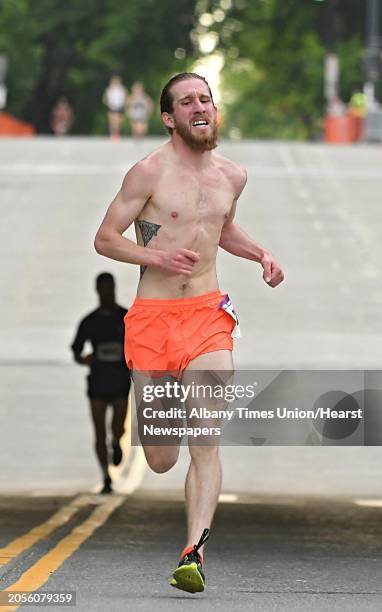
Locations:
318 209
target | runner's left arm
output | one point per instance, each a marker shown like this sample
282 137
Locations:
236 241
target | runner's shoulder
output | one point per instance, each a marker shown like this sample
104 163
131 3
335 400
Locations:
147 169
89 318
140 179
234 173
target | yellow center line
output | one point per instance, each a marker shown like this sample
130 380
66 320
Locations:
41 571
22 543
62 516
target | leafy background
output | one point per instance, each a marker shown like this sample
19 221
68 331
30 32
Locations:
272 79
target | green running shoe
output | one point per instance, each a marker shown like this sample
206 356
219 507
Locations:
189 575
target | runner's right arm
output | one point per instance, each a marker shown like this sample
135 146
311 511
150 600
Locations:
136 190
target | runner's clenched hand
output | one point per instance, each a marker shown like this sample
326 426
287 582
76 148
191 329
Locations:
273 274
181 261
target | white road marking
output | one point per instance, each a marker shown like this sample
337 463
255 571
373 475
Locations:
370 503
228 498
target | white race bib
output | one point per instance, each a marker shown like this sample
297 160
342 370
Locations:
226 305
110 352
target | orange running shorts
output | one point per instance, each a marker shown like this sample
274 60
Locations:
165 335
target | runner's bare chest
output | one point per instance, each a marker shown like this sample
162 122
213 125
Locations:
186 201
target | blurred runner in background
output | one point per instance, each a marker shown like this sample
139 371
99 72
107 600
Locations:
109 378
115 98
139 109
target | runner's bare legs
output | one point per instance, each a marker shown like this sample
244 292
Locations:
98 410
120 406
204 477
161 457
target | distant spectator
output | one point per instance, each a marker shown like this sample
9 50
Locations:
358 110
115 98
139 109
61 117
336 108
357 104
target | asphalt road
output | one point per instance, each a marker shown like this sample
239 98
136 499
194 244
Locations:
316 207
266 554
275 547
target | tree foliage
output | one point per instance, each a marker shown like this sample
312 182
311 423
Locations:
274 53
71 49
275 50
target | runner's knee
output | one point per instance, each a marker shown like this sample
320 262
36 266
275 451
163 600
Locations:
203 453
161 463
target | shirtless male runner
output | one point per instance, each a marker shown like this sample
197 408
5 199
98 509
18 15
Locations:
182 199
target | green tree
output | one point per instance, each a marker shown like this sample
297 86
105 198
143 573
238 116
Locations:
275 50
72 48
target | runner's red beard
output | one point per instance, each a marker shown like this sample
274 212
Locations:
201 142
